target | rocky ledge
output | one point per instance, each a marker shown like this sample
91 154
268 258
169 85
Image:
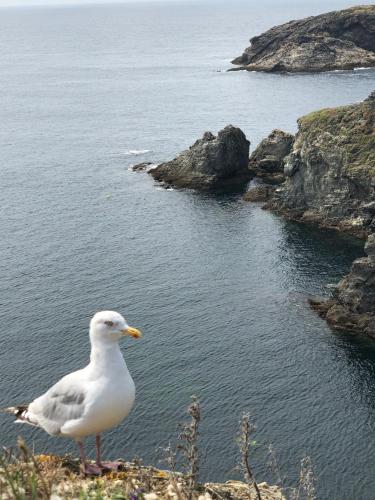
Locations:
352 306
213 162
342 39
59 478
330 173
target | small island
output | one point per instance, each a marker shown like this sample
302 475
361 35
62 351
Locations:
338 40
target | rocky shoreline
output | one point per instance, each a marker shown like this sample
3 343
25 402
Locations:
330 182
324 176
330 172
352 305
338 40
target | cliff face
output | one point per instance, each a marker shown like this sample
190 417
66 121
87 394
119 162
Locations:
336 40
330 174
266 164
352 306
213 162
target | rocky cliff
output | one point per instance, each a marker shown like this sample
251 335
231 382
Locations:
330 173
267 160
336 40
266 164
352 306
213 162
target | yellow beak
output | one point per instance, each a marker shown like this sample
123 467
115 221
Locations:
133 332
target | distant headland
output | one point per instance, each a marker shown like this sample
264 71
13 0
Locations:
338 40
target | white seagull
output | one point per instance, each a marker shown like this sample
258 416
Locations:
92 400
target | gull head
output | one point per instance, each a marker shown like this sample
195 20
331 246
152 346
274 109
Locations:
110 326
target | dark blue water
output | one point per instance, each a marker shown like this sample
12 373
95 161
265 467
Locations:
217 285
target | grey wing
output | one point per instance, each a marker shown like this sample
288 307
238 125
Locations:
65 401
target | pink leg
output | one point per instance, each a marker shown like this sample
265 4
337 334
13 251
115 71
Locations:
98 442
113 466
86 468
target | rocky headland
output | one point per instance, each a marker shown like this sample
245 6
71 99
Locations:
337 40
330 172
324 175
213 162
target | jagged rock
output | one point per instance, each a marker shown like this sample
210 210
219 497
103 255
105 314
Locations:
141 167
352 306
330 174
262 192
342 39
267 160
210 163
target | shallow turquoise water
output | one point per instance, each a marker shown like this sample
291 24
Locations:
218 286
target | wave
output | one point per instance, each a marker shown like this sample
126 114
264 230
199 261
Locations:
136 152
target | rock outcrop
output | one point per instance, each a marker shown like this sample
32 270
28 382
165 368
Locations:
336 40
330 174
267 160
213 162
142 167
352 307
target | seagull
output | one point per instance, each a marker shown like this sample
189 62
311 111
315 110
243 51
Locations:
92 400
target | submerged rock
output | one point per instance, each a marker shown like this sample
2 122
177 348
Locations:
267 160
342 39
330 174
352 307
213 162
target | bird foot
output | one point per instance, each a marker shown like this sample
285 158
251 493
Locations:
110 466
91 470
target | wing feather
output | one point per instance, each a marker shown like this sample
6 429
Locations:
65 401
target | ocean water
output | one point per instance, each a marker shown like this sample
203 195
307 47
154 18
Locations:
218 286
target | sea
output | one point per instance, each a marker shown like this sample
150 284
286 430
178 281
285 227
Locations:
218 286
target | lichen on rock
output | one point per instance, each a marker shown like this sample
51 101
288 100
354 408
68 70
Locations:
330 173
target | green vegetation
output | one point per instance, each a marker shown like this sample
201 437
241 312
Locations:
349 132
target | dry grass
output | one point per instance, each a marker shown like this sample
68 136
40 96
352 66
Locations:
25 476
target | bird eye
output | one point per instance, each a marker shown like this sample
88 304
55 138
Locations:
108 323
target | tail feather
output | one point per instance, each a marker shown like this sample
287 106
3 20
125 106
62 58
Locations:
21 413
